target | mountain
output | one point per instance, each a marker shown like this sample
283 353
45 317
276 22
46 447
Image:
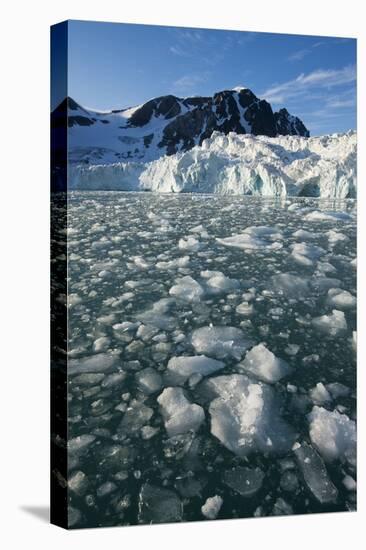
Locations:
168 124
323 166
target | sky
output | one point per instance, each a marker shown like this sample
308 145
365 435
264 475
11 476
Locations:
115 66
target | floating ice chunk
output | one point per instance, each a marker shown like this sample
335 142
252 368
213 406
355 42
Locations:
255 238
323 268
341 298
320 395
73 300
264 231
80 443
149 380
101 344
264 365
157 315
173 264
200 230
338 390
147 432
73 516
282 508
93 363
114 379
88 379
220 342
333 324
290 285
245 481
335 237
146 332
184 367
187 289
354 340
333 434
189 486
315 474
78 483
126 326
106 489
178 445
244 309
305 253
302 260
212 507
140 262
349 483
104 274
289 481
302 234
322 215
157 505
136 416
292 349
323 284
216 282
179 414
115 457
191 244
310 250
245 416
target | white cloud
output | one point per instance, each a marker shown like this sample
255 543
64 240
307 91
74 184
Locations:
341 103
321 78
188 82
300 54
178 50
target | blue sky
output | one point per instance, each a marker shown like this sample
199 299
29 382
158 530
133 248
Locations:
115 65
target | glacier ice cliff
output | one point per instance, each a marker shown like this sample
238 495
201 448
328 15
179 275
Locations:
323 166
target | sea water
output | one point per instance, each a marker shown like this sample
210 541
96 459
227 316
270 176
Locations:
153 277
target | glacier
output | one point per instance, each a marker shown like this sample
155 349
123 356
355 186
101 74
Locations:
236 164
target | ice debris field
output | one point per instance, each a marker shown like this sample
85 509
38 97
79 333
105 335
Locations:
235 164
211 357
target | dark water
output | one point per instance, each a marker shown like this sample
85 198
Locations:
124 257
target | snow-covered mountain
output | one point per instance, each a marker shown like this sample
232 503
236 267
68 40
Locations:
322 166
168 124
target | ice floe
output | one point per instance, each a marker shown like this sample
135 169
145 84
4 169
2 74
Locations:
159 505
212 507
245 416
94 363
315 474
333 434
184 367
191 244
216 282
180 416
187 289
342 299
334 324
243 480
220 342
264 365
149 380
319 394
255 238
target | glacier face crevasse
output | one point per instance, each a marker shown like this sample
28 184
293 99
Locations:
236 164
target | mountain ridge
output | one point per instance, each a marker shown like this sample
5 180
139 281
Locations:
168 124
